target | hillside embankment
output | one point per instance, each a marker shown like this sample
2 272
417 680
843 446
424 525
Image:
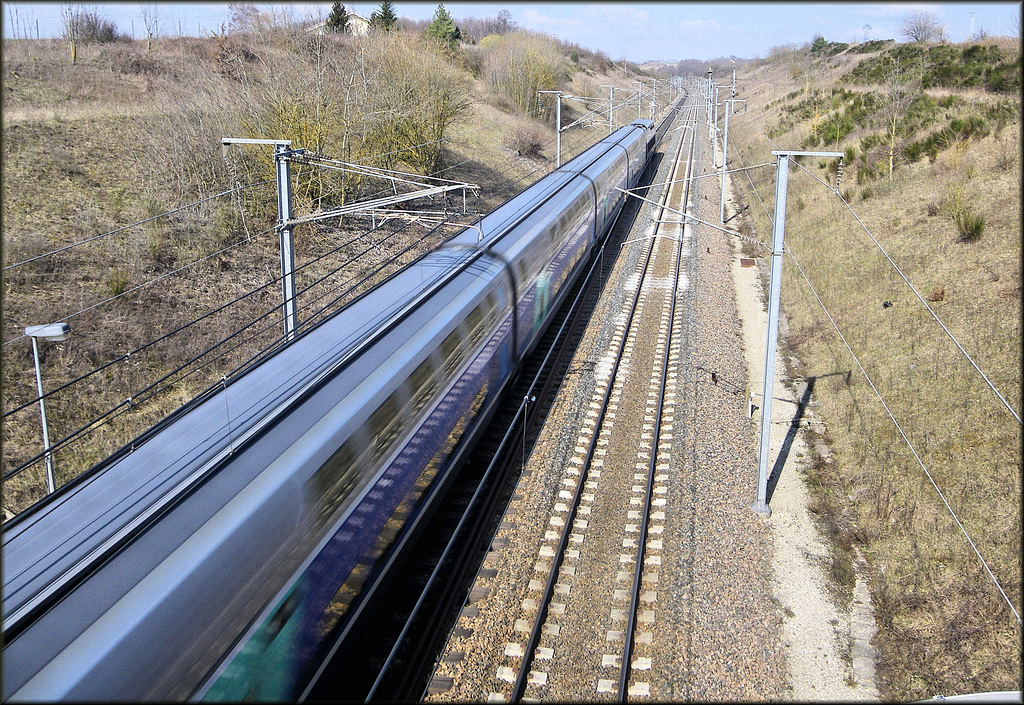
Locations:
112 221
901 280
126 217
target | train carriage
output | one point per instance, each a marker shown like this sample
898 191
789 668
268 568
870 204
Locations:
216 557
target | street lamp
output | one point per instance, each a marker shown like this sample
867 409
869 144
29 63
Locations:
52 332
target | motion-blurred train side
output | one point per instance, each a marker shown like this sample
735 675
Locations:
217 556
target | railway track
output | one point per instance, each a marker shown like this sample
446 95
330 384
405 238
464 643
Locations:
591 597
393 645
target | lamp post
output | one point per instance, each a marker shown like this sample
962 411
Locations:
52 332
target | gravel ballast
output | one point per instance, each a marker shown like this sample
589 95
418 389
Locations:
716 628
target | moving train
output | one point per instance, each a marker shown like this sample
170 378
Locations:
217 555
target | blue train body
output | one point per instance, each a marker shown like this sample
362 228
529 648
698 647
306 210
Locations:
217 558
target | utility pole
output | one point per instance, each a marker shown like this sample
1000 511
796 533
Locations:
707 104
558 126
715 122
284 211
53 332
611 107
760 505
727 106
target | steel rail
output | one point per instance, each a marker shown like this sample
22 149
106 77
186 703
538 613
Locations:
484 249
627 650
529 652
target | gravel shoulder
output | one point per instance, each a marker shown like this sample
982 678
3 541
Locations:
826 644
745 608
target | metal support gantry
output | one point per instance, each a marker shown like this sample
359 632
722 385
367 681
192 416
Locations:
283 156
760 505
284 228
728 106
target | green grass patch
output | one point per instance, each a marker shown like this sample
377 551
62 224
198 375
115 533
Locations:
945 66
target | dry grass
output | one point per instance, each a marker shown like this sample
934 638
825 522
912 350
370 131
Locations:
944 627
128 134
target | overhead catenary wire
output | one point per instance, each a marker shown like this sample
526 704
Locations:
154 388
209 313
924 303
142 347
164 336
892 418
910 445
892 263
155 279
135 224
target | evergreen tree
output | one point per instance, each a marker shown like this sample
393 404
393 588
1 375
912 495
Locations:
443 29
337 21
384 19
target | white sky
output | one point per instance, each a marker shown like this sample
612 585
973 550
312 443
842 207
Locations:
638 31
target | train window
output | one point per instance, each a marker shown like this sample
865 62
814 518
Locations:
384 425
422 384
421 376
475 324
451 351
336 478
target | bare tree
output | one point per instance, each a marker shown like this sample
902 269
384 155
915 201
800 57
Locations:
151 14
922 27
70 26
898 95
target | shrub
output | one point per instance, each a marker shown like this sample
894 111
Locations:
118 281
913 151
973 126
87 26
869 141
873 45
970 225
525 138
944 66
955 202
865 174
520 65
836 128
